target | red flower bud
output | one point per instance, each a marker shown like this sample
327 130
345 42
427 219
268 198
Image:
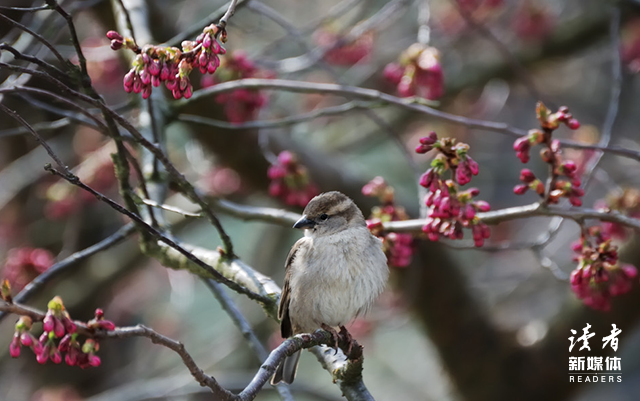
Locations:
520 189
482 206
527 176
113 35
14 347
573 123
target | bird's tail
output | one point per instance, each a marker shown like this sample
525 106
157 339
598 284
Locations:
286 371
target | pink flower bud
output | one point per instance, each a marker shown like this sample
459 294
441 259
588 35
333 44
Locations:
116 44
203 59
569 168
14 347
48 323
629 270
469 212
94 360
42 357
214 63
527 176
429 139
146 91
575 201
521 144
406 87
206 41
165 73
427 178
137 84
106 325
176 93
473 166
184 82
286 158
573 123
37 348
482 206
523 156
113 35
58 327
171 84
463 174
128 79
154 67
188 92
393 73
69 326
27 339
520 189
71 358
145 77
63 346
56 357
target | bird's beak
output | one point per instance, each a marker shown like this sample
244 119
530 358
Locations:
304 222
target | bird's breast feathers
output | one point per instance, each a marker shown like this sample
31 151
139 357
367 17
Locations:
347 271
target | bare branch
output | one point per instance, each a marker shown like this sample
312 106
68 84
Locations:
532 210
372 94
230 11
266 301
280 122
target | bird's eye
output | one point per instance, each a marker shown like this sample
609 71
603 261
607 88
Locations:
324 216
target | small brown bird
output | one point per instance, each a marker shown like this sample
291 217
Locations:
333 274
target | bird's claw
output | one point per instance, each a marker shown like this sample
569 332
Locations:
347 338
334 336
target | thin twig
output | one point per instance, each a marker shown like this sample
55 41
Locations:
230 11
280 122
39 37
37 137
372 94
161 237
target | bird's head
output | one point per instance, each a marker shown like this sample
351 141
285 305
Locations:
330 213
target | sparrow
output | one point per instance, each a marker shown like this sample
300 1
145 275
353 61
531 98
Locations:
333 274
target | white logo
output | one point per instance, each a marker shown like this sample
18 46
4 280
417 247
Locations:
591 369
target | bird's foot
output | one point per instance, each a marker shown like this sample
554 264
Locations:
334 335
346 336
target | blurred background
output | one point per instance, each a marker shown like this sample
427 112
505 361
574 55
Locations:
455 323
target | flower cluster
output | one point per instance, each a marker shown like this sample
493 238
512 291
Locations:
240 105
551 154
59 337
599 276
25 264
290 181
339 51
451 209
418 72
398 247
171 65
627 203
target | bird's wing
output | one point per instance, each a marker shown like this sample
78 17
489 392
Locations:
283 309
